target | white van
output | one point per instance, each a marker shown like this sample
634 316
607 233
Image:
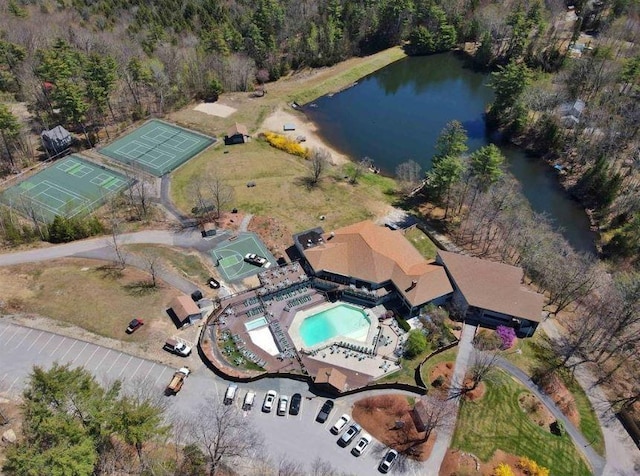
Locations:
231 394
248 400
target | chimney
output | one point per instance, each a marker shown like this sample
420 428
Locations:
413 285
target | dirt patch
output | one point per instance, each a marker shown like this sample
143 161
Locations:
553 386
458 462
442 370
535 410
475 394
275 234
215 109
379 416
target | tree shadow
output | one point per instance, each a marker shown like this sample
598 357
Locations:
111 271
140 288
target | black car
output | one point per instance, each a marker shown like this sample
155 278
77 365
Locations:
323 414
133 325
294 406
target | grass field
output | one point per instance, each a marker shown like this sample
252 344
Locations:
536 351
446 356
422 243
279 191
190 265
497 422
89 297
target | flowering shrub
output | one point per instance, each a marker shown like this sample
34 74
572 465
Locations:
284 143
507 336
531 468
503 469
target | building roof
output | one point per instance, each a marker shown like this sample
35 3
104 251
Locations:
493 286
184 307
57 133
238 129
333 377
377 254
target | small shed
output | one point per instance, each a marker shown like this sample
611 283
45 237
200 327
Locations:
421 414
331 379
56 140
238 134
184 310
208 230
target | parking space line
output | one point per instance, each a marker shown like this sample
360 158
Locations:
104 357
35 340
21 341
125 366
12 384
91 356
159 376
45 344
6 328
62 339
68 350
136 370
11 338
80 353
153 364
114 362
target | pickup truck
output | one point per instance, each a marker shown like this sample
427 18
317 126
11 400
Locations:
177 381
177 347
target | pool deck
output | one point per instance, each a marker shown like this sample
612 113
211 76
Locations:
283 305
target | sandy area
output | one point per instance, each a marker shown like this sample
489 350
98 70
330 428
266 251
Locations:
215 109
304 127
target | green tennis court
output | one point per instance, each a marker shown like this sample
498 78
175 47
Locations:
157 147
229 256
70 187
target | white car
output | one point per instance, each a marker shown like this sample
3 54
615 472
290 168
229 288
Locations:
361 445
257 260
269 400
282 404
387 461
340 424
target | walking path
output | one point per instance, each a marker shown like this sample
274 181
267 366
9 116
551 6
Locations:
244 225
443 436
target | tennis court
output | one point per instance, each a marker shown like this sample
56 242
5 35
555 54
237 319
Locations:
229 256
157 147
70 187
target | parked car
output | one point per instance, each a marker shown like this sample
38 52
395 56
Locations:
133 325
387 461
257 260
340 424
247 404
361 445
349 435
213 283
269 400
176 347
230 394
282 404
294 406
324 412
177 381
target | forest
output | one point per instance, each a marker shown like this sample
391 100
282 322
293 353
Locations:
90 63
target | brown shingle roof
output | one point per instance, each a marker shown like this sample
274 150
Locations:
183 306
333 377
493 286
377 254
238 129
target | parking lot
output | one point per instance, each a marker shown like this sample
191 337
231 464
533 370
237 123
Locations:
299 438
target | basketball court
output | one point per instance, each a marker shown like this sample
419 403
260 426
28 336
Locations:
229 256
73 186
157 147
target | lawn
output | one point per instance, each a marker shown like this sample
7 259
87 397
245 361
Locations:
446 356
90 297
496 422
190 265
422 243
407 374
535 351
279 191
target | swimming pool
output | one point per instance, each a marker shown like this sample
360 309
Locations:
259 322
341 320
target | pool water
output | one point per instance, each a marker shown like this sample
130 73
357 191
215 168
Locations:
259 322
341 320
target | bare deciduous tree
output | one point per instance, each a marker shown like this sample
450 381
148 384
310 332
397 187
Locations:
483 364
319 161
410 175
212 195
224 434
359 168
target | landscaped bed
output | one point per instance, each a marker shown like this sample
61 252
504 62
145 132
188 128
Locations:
496 422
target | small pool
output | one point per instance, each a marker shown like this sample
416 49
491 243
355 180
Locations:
341 320
259 322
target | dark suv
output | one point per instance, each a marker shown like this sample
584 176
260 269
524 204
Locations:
294 406
323 414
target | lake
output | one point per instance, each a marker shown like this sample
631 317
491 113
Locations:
397 113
